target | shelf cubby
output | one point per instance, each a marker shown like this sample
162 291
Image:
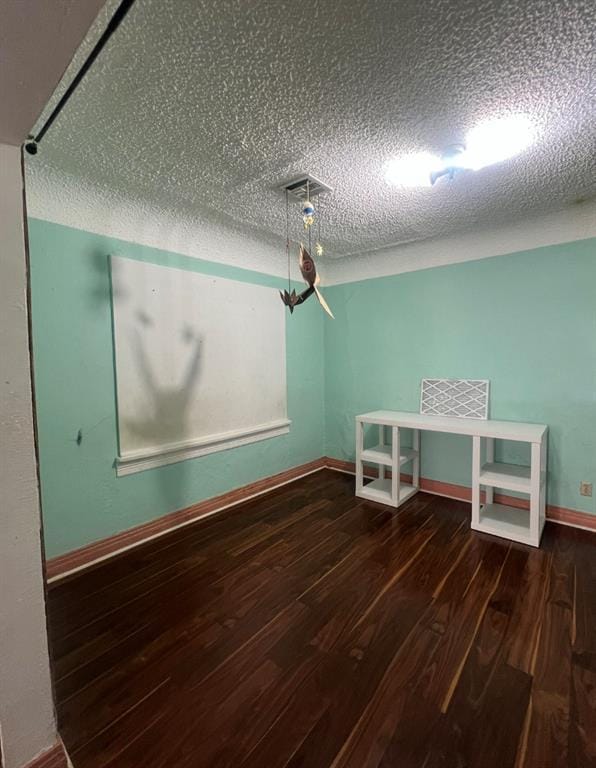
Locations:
388 458
514 522
511 477
377 490
511 523
381 454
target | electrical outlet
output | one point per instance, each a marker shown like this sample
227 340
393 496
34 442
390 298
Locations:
585 489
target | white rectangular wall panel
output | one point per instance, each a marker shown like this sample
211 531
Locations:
466 398
200 363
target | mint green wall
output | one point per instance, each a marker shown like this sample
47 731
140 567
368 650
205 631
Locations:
82 498
526 321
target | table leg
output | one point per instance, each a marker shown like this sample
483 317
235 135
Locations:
535 467
381 442
476 447
395 468
416 462
359 447
490 457
543 475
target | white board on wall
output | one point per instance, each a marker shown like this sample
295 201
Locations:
200 363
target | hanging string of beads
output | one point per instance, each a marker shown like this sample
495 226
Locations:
308 210
288 237
318 244
308 216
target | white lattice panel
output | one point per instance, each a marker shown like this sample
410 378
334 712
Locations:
466 398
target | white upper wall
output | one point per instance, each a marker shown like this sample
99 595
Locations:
75 203
574 223
56 197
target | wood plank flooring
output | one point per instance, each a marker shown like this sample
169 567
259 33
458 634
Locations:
310 629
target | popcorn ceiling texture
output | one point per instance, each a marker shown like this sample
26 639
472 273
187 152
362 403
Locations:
197 110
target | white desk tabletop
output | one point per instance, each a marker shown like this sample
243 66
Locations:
502 430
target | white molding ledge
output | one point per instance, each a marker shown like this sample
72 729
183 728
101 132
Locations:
139 461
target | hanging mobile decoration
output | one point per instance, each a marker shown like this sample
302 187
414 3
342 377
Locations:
318 245
305 261
309 273
308 214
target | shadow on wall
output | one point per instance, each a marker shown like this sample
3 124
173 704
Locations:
166 421
167 418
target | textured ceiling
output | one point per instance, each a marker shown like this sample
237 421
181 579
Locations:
208 106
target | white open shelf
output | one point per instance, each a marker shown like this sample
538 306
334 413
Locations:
508 522
405 491
381 454
407 454
513 523
378 490
509 476
389 458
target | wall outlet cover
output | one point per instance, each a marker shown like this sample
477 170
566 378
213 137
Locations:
585 489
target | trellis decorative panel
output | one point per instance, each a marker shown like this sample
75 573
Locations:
466 398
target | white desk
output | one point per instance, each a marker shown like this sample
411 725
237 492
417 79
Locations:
497 519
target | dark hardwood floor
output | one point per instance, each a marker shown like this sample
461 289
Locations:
309 629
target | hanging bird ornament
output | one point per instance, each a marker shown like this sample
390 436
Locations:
309 273
311 277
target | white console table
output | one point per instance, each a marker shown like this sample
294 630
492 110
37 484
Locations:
513 523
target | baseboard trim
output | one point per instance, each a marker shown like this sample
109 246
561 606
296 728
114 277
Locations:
55 757
84 557
571 517
71 562
562 515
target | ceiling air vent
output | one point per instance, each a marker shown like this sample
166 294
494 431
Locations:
298 187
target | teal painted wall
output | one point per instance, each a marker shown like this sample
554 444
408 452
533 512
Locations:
526 321
82 499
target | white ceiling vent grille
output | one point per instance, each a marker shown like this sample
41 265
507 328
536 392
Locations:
299 187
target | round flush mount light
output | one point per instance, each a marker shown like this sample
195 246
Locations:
412 170
493 141
490 142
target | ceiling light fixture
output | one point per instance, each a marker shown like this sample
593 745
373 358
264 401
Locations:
488 143
412 170
493 141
